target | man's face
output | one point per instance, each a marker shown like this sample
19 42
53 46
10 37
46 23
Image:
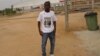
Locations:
47 7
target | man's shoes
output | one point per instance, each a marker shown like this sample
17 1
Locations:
51 54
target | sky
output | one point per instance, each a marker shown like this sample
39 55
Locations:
7 3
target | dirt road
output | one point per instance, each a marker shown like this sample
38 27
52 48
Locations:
20 37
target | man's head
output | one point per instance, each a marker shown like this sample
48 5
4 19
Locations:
47 6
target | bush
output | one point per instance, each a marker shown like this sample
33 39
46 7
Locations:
9 11
18 9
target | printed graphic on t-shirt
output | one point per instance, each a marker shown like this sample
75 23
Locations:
47 22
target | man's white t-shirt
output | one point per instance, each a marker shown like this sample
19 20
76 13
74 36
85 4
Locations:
46 19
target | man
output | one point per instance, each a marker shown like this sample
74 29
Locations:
47 27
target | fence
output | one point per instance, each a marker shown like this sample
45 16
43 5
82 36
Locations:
79 5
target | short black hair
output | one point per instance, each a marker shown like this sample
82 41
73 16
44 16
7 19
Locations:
47 2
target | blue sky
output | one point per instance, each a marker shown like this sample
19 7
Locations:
8 3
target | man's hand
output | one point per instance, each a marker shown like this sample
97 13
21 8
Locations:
41 33
54 31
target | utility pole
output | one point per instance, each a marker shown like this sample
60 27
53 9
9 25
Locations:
92 3
66 15
23 6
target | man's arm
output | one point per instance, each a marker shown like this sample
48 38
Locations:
54 21
39 25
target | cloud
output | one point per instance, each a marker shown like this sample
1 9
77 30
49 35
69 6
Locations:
8 3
